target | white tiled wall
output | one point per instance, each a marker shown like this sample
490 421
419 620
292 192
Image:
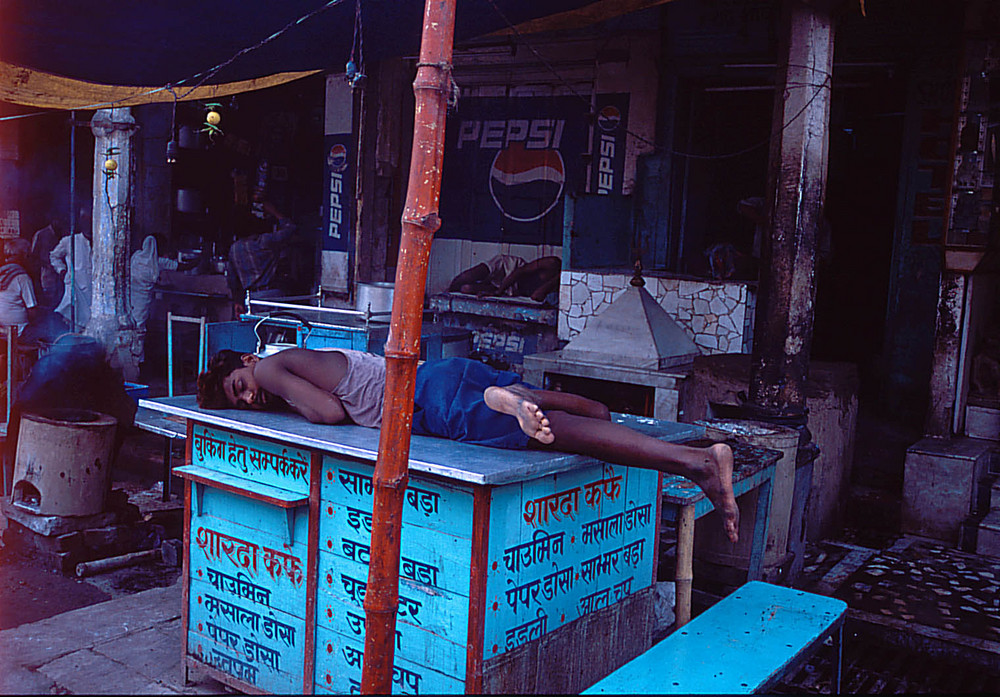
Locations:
718 315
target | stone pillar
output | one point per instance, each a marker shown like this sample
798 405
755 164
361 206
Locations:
796 189
110 311
947 345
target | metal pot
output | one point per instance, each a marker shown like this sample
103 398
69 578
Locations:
374 297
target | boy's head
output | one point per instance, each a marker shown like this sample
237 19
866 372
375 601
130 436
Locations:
211 390
230 382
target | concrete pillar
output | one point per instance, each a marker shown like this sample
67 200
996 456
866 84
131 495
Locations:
110 311
796 189
947 345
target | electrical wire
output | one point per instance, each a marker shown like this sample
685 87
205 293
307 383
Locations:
826 83
203 75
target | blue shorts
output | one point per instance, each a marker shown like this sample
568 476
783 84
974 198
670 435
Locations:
448 403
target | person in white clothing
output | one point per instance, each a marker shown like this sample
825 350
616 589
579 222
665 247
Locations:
145 267
61 260
17 293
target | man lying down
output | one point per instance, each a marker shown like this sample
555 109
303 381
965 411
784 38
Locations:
463 400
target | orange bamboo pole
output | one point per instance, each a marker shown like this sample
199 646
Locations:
402 350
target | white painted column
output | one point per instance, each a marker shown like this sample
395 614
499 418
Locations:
110 311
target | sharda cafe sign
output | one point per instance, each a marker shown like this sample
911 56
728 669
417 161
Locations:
510 162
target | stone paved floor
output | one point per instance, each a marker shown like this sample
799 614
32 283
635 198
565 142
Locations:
926 583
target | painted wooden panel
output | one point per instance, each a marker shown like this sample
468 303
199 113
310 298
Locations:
257 635
247 563
433 558
261 460
437 611
250 662
256 516
564 546
427 503
444 654
338 670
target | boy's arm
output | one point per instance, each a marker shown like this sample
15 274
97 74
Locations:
319 406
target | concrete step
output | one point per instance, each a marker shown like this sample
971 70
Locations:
988 537
994 491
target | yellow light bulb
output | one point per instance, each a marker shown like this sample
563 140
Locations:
110 165
213 118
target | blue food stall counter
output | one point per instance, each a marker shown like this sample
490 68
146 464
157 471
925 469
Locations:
508 558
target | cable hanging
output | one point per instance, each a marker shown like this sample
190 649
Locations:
202 77
354 70
826 83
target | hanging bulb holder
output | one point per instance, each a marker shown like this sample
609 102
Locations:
172 150
353 76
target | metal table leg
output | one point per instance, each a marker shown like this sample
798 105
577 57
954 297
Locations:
838 658
167 455
756 564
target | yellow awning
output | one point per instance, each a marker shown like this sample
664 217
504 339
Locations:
43 90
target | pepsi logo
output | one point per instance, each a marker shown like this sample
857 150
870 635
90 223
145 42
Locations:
336 160
609 118
526 184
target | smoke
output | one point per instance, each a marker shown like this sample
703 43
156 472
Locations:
73 374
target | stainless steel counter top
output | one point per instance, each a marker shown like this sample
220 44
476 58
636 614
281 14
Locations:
472 464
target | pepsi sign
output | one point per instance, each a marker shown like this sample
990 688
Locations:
339 199
527 184
508 165
608 166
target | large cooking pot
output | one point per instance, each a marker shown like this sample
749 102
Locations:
374 297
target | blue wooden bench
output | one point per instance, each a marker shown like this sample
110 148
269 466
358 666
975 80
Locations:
745 643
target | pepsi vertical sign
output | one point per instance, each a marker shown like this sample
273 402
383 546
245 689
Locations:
338 201
508 164
607 168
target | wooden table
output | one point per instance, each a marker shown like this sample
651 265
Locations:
521 571
683 503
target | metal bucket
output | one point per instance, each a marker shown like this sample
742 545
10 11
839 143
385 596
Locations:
374 297
63 462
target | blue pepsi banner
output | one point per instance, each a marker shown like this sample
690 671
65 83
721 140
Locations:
608 164
508 164
338 202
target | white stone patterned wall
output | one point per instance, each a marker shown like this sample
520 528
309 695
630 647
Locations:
718 315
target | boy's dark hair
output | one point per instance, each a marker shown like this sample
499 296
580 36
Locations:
210 392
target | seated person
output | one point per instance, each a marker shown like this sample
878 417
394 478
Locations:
255 259
17 293
500 276
462 400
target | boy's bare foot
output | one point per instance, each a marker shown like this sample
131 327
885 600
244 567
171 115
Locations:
717 483
531 419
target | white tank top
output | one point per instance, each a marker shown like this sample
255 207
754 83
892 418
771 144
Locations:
362 389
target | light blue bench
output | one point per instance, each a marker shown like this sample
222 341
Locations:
745 643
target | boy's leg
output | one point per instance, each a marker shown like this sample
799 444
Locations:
710 468
550 400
